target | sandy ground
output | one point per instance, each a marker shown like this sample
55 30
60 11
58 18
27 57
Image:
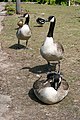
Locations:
4 99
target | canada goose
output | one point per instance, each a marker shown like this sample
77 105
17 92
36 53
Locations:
20 23
40 21
51 50
45 91
24 32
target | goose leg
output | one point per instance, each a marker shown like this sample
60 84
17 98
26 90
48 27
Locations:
48 63
26 43
52 67
58 66
18 43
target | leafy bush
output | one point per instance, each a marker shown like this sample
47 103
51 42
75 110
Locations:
51 2
78 1
10 9
13 0
41 1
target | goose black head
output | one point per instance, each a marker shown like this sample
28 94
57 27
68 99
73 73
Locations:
51 19
55 79
41 20
26 15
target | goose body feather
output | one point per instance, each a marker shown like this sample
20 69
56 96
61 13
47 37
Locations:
50 50
24 33
47 94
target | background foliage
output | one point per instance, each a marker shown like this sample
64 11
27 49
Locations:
54 2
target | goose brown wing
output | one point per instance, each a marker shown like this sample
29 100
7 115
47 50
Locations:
60 47
65 84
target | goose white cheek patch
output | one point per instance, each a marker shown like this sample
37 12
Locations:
52 20
26 15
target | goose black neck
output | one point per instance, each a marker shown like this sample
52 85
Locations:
51 29
27 21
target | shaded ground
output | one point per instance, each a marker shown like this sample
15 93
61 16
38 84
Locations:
19 68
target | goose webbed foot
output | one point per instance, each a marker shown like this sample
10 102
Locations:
28 48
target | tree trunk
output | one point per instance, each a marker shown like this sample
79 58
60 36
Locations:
68 2
18 7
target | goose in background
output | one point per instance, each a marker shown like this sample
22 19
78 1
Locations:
24 32
20 23
46 91
51 50
40 21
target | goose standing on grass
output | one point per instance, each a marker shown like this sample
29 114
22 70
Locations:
51 50
24 32
46 92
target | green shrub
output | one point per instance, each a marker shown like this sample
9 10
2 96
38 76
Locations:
77 1
51 2
63 3
10 13
10 9
41 1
